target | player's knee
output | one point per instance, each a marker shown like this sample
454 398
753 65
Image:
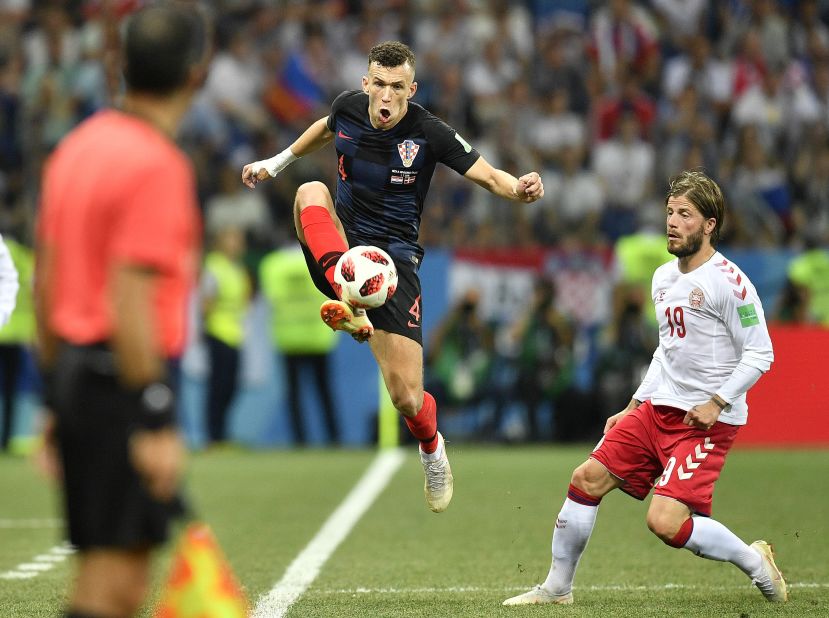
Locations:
133 598
405 401
313 193
591 478
664 525
405 394
123 597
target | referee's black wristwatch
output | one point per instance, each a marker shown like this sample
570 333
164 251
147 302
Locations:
156 406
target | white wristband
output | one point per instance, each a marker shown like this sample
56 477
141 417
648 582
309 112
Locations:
275 164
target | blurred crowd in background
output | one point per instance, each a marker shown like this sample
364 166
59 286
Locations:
607 99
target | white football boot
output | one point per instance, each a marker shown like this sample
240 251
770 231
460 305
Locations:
340 315
540 596
439 483
771 582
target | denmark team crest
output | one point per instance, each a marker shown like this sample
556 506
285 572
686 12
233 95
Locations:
408 151
696 298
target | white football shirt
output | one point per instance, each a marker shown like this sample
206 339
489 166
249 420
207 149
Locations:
712 338
8 284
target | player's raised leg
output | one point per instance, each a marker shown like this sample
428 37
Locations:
590 483
401 363
319 228
673 522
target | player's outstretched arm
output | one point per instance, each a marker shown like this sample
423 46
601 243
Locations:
528 188
313 138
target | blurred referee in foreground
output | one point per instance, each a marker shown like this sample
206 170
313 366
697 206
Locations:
117 247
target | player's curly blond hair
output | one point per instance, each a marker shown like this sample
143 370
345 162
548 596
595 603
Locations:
703 193
391 54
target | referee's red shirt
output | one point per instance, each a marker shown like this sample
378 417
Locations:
116 190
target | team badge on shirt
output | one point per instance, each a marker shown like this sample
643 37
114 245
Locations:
408 151
660 296
696 298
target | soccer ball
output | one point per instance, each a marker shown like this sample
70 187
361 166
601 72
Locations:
365 277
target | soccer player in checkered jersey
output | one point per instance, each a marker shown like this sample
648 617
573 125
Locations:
387 149
674 434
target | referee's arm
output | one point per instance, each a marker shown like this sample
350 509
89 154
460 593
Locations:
47 459
134 336
46 345
158 453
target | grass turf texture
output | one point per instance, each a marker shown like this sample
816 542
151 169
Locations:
493 542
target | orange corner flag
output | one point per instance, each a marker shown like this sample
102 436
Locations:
201 584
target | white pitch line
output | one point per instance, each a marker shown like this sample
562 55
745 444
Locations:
49 558
306 566
39 564
29 523
595 588
18 575
35 566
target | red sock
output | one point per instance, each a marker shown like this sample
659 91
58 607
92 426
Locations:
683 535
577 495
424 424
322 238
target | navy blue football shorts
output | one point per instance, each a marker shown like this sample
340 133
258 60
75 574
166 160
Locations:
401 314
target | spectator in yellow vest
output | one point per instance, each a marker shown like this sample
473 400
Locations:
637 256
304 341
225 298
16 264
809 275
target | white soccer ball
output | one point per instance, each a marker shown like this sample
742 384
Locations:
366 277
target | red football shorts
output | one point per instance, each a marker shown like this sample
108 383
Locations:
651 448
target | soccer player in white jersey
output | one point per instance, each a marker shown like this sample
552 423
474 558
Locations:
674 434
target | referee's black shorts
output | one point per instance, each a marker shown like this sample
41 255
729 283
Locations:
400 315
105 502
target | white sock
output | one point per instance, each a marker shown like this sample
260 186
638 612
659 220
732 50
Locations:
573 527
710 539
438 452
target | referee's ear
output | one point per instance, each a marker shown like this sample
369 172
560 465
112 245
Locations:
412 90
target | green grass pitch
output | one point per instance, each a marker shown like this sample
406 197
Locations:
493 542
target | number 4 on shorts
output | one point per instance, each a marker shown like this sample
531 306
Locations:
415 313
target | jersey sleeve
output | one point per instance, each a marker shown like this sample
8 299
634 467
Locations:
654 374
742 313
336 106
153 223
652 378
46 226
448 146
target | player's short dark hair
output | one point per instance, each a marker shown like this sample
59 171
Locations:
391 54
703 193
162 43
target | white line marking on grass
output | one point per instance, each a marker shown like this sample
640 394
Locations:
50 558
29 523
35 566
18 575
509 589
306 566
39 564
